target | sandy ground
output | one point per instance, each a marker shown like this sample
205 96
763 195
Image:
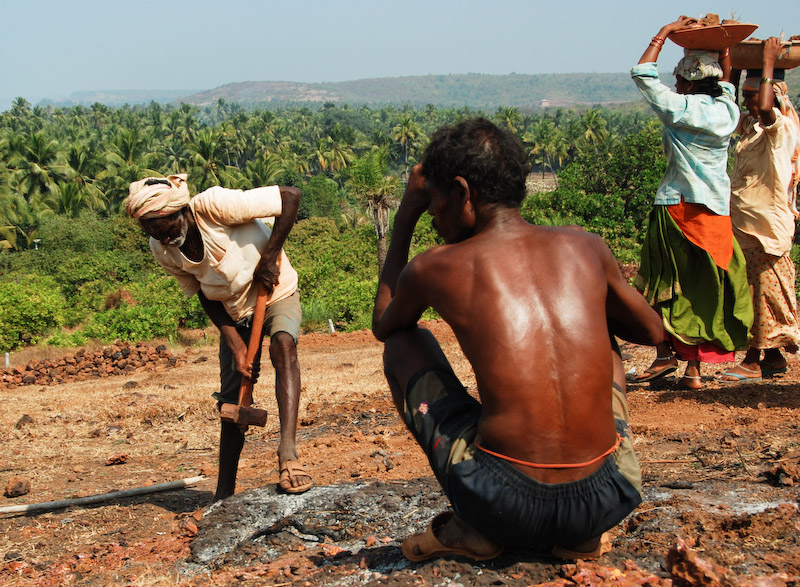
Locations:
720 468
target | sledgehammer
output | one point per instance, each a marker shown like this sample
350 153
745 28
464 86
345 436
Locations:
242 414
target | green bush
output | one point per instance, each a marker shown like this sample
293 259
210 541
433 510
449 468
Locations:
30 306
321 198
539 209
315 315
134 323
337 270
155 307
609 192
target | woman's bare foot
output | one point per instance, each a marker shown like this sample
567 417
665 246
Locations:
742 372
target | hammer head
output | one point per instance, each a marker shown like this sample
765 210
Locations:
243 416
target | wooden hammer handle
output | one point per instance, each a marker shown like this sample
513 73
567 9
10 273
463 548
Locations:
257 325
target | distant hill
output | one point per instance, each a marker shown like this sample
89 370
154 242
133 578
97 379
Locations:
118 97
473 89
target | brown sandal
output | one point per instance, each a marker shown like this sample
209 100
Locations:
421 547
291 469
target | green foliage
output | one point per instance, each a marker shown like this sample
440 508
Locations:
337 271
425 236
66 170
539 208
315 316
157 308
30 306
321 198
610 192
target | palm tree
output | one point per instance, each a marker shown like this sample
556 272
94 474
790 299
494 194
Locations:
378 191
66 200
289 159
80 168
594 128
19 221
538 140
32 164
209 151
405 132
20 114
340 155
175 156
509 117
263 170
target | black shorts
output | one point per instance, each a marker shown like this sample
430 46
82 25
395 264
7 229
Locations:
497 499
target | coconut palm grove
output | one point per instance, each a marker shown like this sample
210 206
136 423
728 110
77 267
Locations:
74 268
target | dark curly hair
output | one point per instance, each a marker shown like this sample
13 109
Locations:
708 86
491 159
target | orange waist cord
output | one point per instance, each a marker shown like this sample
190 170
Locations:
553 465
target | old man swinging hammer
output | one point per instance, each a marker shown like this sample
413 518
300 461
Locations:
218 246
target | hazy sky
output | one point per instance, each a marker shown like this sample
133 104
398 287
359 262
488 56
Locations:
51 48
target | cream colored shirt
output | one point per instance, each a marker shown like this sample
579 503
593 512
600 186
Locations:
234 229
760 207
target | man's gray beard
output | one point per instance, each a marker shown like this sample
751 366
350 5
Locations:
179 240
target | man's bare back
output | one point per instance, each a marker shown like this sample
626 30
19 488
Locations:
527 306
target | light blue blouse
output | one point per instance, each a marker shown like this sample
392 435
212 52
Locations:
696 133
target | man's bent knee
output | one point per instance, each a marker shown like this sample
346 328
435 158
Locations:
408 351
281 342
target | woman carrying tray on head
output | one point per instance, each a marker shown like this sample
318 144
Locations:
692 270
763 211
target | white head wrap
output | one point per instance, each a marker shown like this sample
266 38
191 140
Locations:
149 199
697 65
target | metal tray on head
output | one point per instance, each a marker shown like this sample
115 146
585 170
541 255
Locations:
748 55
714 37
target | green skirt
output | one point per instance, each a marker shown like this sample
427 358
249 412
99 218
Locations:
698 301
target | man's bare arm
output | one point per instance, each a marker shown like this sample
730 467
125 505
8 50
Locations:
387 315
629 316
267 269
227 328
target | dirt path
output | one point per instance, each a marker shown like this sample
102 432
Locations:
703 454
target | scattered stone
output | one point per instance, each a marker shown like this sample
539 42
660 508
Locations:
23 421
331 550
678 485
783 475
17 486
188 526
130 384
686 567
117 459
